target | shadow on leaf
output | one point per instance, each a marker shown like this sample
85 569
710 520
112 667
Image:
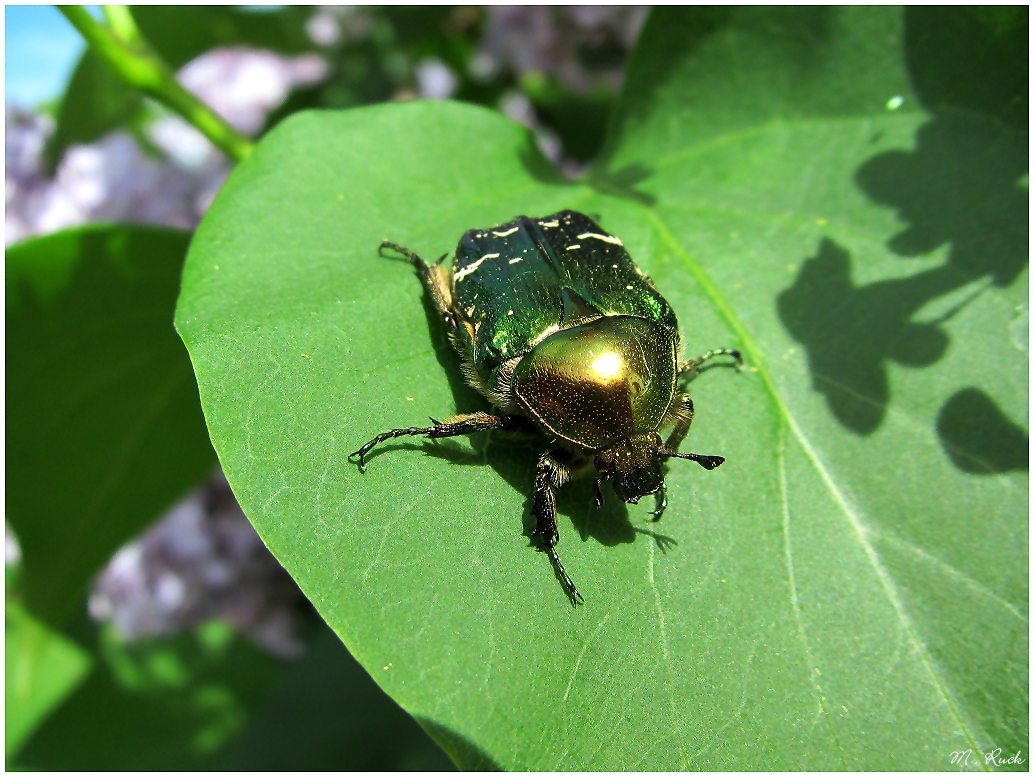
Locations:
960 186
664 543
464 753
851 332
973 59
978 437
622 183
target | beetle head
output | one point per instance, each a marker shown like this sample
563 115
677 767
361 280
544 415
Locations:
634 466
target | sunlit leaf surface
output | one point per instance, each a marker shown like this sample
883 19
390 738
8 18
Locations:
850 589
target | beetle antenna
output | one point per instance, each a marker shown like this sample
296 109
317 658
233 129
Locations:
707 462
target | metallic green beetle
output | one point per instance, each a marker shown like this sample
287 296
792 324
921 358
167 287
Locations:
564 335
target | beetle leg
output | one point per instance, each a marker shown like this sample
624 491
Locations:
597 492
692 365
550 475
450 427
412 256
681 412
662 503
435 278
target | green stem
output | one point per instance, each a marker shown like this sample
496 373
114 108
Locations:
120 20
132 58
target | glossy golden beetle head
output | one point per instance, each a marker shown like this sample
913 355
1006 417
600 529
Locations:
600 383
634 465
605 386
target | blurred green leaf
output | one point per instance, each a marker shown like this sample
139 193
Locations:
841 594
160 704
96 101
179 33
208 699
41 668
104 429
325 713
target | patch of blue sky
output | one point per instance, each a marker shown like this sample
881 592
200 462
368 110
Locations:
41 49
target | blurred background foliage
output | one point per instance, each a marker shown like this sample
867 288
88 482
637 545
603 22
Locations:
557 68
146 625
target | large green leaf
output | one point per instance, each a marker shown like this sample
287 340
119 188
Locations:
104 429
849 590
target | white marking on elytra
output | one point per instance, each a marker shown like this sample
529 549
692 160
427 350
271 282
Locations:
571 248
553 223
604 238
509 312
507 232
518 259
471 268
614 266
629 287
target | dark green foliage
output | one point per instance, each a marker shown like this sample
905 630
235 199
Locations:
208 699
104 427
326 713
155 705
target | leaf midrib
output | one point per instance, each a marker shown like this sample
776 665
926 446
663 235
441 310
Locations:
787 421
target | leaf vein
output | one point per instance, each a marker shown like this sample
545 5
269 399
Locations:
950 571
813 668
581 653
859 529
676 723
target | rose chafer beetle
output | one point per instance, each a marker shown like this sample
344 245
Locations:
564 335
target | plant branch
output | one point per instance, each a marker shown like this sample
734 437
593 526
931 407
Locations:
126 51
120 20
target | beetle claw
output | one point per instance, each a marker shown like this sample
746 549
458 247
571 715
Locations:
362 459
